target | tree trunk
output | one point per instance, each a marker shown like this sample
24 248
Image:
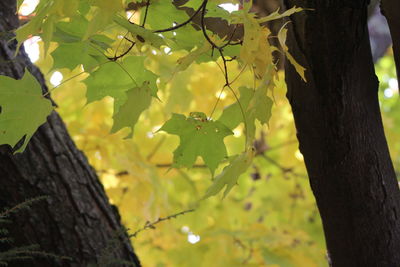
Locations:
77 220
341 135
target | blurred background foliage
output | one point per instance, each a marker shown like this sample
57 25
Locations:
269 219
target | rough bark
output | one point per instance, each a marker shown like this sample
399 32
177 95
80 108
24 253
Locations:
77 220
341 135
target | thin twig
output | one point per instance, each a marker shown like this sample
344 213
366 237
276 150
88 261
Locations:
115 58
183 23
283 169
218 99
151 225
203 26
145 13
169 165
156 148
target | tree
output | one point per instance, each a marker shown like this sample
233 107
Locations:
341 135
76 220
331 87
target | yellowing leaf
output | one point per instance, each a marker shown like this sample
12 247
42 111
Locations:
263 58
255 50
23 109
186 61
282 41
275 15
138 100
199 136
299 69
282 37
230 174
251 39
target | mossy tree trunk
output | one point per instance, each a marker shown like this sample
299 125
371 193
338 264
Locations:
76 220
341 135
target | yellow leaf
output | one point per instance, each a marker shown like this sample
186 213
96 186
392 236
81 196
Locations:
251 39
299 69
264 55
282 40
275 15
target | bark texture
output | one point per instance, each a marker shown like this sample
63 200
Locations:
77 220
341 135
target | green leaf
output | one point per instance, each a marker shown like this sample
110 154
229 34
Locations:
115 79
74 30
259 109
141 33
23 109
138 100
213 10
71 31
262 105
255 104
70 55
186 37
198 137
180 97
230 174
46 14
47 32
162 14
30 28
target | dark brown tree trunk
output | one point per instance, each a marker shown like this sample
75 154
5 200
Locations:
76 220
391 9
341 135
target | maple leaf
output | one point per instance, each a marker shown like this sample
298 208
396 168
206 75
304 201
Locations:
23 109
255 104
115 79
70 55
199 136
230 174
138 99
